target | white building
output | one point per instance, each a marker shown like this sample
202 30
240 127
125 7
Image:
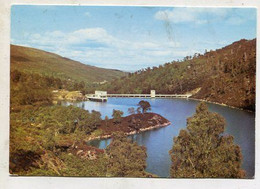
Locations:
98 96
152 93
101 94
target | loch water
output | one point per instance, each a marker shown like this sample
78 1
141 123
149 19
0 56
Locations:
158 142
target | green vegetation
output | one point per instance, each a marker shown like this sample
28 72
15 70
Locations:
40 123
40 133
66 164
48 141
43 71
144 105
37 131
36 90
77 166
28 89
202 151
35 61
226 76
117 115
126 159
65 95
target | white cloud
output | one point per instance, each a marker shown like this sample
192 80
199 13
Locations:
97 47
201 16
82 36
196 15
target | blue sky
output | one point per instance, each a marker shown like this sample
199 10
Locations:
129 38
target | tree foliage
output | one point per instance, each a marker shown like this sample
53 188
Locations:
144 106
28 89
37 130
203 151
76 166
125 158
35 89
106 120
117 115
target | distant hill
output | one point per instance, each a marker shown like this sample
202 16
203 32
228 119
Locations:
226 76
35 61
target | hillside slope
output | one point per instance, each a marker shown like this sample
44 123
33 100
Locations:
226 76
30 60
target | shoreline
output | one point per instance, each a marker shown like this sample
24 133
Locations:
221 104
73 100
129 133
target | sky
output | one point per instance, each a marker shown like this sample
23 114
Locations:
129 38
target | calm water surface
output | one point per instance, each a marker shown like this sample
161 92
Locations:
158 142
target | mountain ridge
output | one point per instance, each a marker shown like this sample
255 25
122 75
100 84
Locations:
37 61
225 76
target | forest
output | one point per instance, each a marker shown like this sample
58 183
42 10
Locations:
226 75
49 141
30 89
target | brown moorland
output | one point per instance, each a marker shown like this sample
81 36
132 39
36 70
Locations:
129 125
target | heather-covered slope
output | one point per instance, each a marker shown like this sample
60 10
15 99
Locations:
226 76
41 62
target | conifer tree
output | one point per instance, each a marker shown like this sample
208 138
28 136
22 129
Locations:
202 150
126 159
144 105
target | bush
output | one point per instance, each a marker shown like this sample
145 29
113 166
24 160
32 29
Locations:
125 158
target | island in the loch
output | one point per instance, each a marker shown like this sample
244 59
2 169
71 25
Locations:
130 125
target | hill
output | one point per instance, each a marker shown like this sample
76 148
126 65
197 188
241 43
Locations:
35 74
35 61
226 75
